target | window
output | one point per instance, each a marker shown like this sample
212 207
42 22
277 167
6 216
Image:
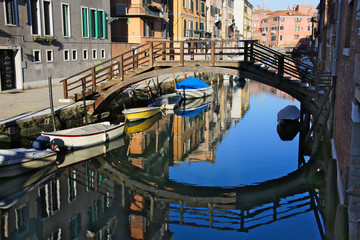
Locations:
94 54
85 22
65 19
297 19
197 5
281 27
11 14
348 24
202 5
273 38
48 24
35 17
308 28
74 55
37 56
66 55
151 29
22 219
184 3
101 24
49 56
191 5
103 55
280 37
164 29
85 54
72 186
296 36
144 29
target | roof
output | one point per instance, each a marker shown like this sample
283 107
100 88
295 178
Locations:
285 13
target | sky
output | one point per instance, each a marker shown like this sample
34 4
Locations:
281 4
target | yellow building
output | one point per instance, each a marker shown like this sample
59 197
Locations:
187 19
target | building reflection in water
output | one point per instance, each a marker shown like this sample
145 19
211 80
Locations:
126 192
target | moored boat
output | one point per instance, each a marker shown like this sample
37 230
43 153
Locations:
193 88
20 160
167 101
135 114
85 136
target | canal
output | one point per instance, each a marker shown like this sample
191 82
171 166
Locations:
214 168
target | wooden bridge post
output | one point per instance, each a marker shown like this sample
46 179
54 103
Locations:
252 51
151 54
246 51
212 56
65 89
164 51
182 54
121 67
93 79
280 66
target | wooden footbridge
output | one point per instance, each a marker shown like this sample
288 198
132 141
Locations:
240 58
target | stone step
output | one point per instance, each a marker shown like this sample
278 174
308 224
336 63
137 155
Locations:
264 68
271 71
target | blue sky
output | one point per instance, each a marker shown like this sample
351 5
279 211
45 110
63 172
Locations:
281 4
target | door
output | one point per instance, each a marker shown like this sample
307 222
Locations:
7 69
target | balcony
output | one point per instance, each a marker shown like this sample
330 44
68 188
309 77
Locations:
194 34
148 10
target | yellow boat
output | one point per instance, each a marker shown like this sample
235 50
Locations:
135 114
141 125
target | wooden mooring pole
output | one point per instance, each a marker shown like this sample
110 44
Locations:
51 103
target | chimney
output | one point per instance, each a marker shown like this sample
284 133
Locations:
258 7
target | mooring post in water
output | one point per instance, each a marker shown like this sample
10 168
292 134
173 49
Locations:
84 100
51 103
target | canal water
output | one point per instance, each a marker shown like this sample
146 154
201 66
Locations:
214 168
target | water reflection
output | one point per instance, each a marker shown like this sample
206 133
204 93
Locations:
156 183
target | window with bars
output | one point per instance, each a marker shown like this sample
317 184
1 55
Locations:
11 15
66 19
85 22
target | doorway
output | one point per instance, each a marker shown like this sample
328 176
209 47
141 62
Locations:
7 69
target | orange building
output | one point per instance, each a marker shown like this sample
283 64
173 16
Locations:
288 28
139 21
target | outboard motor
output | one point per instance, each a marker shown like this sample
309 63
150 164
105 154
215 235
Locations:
41 142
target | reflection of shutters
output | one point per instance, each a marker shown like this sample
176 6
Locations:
7 69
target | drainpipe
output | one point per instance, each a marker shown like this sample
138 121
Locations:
334 71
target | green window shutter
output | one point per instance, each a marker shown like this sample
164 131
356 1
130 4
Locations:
86 23
96 23
65 24
197 5
92 32
100 25
104 31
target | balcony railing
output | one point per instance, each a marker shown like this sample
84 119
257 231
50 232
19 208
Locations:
123 9
194 34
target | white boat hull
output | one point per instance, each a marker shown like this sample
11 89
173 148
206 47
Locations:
195 93
86 135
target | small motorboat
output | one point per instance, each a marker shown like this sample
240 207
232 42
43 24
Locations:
85 136
288 113
193 88
167 101
135 114
17 161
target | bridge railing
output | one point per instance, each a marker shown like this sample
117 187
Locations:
115 69
93 79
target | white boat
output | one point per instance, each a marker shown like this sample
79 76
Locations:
85 136
193 88
20 160
167 101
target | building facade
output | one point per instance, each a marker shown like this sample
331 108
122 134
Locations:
41 39
257 16
187 19
139 21
338 40
287 28
243 18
